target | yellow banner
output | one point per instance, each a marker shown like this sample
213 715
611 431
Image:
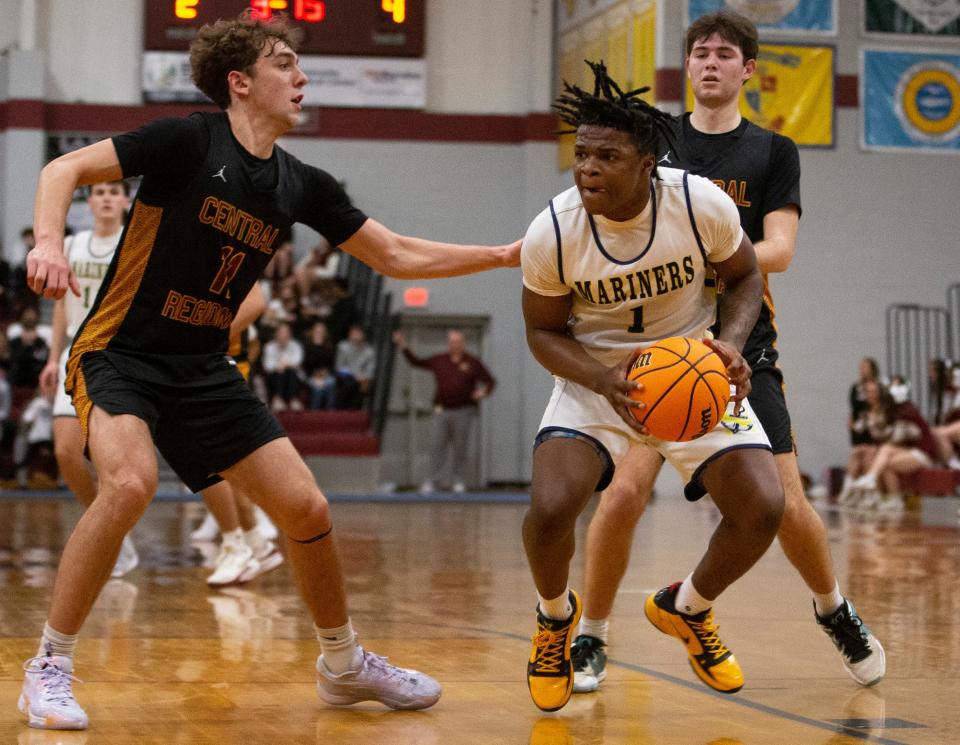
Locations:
791 93
625 41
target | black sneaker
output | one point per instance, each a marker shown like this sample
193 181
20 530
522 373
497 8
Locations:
862 653
589 658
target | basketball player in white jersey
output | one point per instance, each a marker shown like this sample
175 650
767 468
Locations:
626 257
89 254
763 169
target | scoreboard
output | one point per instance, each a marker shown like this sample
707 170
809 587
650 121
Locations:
388 28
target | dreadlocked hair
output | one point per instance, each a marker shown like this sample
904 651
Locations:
609 106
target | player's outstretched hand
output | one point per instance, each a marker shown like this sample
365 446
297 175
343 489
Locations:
615 387
48 272
738 371
512 253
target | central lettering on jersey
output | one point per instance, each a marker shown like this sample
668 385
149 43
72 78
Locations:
736 190
195 311
646 283
238 224
89 269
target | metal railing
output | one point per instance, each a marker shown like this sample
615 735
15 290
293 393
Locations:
917 334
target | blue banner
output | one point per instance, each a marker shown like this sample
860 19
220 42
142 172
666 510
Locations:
784 16
910 101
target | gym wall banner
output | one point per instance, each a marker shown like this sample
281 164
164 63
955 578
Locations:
934 19
910 101
782 16
791 93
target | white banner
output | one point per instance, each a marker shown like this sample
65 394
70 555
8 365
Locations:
367 82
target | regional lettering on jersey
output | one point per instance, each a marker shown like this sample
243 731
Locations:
640 280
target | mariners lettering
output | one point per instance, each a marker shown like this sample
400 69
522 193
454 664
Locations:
657 280
736 190
196 312
238 224
89 269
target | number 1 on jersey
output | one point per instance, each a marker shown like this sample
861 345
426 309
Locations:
637 327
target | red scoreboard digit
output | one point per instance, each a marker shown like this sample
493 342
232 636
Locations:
382 28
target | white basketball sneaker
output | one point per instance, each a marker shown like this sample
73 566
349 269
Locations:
267 558
47 695
377 680
128 559
207 531
235 558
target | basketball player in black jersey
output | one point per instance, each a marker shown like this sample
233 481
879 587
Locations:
760 170
149 364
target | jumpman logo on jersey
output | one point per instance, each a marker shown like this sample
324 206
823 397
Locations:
665 158
219 174
763 356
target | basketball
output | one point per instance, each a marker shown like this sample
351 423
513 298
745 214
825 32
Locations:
685 388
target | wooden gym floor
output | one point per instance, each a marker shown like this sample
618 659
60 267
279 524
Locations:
445 588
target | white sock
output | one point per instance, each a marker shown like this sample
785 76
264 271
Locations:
53 642
234 538
557 608
255 540
599 628
826 604
689 601
340 649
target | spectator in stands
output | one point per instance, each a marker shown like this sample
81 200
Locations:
340 310
462 381
868 371
36 465
8 427
284 308
283 365
279 271
4 351
319 356
909 448
871 427
319 265
28 351
355 365
941 390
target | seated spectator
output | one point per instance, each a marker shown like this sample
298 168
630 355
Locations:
339 310
28 351
941 389
317 267
868 370
283 366
355 363
871 427
35 462
280 269
319 356
284 307
947 437
910 448
8 427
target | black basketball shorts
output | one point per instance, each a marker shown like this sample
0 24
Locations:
770 406
199 430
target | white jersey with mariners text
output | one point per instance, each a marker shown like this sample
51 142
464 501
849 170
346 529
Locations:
89 257
639 280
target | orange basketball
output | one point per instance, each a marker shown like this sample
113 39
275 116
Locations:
685 388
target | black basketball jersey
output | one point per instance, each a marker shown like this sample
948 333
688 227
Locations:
760 170
206 221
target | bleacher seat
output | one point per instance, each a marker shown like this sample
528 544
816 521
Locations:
345 433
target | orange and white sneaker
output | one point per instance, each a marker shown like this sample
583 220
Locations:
550 669
47 694
713 663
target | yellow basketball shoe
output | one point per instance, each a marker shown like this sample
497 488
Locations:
550 671
713 663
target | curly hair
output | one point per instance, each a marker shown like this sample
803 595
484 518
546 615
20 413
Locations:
609 106
731 27
227 45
